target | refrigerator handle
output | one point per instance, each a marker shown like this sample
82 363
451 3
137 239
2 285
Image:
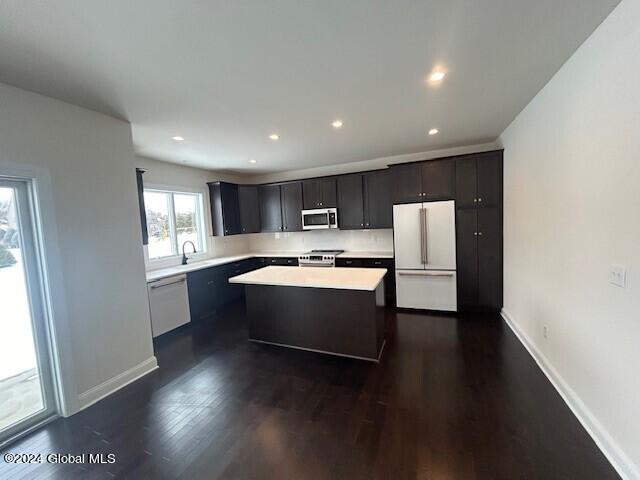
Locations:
422 253
424 235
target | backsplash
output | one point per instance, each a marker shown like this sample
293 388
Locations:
353 240
228 246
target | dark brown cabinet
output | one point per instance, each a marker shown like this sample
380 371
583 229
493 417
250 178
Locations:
479 231
378 203
364 200
282 261
490 257
479 180
249 208
389 278
209 289
225 208
141 207
407 183
438 180
291 200
424 181
350 201
270 208
467 257
319 193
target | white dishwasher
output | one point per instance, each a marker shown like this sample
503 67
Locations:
169 304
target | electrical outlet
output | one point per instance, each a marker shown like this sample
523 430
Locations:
545 331
618 275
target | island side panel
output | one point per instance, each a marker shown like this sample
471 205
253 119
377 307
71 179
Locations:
345 322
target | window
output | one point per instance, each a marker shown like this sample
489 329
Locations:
172 219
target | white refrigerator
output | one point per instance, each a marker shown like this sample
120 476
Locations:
424 236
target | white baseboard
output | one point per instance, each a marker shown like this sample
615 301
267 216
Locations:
97 393
616 456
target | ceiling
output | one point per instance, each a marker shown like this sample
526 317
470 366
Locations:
226 74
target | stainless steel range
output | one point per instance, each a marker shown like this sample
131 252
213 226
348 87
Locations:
319 258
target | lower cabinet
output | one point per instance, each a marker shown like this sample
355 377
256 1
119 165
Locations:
209 289
389 278
283 261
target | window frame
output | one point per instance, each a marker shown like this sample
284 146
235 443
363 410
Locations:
201 214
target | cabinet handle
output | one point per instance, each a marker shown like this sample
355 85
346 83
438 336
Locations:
424 194
475 233
377 263
479 200
420 194
480 233
349 262
475 200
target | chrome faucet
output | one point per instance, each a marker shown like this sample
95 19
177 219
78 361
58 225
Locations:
184 255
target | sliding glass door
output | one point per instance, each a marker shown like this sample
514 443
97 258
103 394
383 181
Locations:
26 387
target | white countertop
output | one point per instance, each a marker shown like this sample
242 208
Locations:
153 275
314 277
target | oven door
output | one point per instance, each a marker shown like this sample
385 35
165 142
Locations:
315 219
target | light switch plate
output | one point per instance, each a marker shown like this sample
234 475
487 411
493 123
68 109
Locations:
618 275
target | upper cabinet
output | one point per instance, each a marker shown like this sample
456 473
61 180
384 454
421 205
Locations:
378 202
291 200
364 200
407 183
319 193
479 180
438 179
423 181
143 213
225 208
270 208
249 208
350 201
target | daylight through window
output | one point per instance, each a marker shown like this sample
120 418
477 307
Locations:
172 219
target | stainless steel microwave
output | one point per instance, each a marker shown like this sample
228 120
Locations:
319 219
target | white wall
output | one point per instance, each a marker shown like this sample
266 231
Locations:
179 176
84 170
572 193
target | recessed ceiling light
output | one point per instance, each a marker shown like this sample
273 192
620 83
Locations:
253 161
337 124
178 138
274 136
436 76
433 131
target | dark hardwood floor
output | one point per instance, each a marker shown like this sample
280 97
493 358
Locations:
453 398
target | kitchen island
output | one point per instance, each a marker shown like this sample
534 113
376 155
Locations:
339 311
